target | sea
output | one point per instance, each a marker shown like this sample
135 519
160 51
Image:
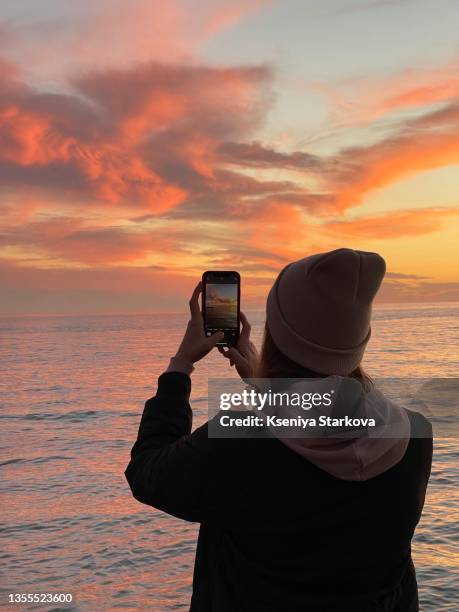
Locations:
72 390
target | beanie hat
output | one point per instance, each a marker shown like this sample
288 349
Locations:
319 309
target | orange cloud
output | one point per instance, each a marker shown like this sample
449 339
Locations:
419 96
66 240
279 228
395 224
159 162
160 136
429 142
143 137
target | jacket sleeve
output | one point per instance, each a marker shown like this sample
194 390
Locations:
170 468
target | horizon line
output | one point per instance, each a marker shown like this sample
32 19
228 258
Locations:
376 306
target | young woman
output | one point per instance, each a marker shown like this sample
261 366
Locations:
292 525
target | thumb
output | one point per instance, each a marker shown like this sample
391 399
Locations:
214 338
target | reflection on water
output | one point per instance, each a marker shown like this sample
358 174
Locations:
72 391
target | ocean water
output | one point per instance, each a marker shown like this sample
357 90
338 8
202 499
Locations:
72 391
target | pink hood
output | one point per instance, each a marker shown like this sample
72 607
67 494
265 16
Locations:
350 458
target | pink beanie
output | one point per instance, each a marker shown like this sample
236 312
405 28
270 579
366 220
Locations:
319 309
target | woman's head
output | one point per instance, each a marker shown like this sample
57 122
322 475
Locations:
319 312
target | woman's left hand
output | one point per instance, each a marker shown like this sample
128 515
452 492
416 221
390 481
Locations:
195 345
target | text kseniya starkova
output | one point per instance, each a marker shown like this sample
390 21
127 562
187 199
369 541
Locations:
250 399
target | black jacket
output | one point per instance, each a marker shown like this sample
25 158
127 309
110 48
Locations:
278 533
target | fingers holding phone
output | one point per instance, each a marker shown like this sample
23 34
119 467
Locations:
244 356
218 323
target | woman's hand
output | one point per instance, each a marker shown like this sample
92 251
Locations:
244 356
195 345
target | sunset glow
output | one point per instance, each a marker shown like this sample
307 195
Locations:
144 142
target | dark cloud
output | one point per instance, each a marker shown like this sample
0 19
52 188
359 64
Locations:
397 291
259 156
406 276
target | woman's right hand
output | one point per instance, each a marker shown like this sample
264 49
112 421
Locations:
244 356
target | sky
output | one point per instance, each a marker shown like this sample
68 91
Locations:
142 143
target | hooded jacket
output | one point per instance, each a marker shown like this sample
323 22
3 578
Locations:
277 531
343 451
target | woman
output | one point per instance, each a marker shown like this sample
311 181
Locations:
291 525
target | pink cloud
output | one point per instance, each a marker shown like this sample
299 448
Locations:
366 99
230 12
110 33
127 135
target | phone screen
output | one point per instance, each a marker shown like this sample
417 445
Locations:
221 298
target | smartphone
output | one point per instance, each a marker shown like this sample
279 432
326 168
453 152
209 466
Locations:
221 297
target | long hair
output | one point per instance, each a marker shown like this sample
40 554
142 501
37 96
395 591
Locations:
274 364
